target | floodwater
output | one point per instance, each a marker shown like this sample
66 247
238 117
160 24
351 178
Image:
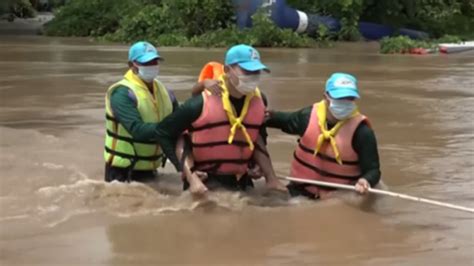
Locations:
56 210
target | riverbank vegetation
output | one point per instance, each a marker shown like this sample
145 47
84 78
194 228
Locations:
169 23
403 44
263 33
437 17
212 22
17 8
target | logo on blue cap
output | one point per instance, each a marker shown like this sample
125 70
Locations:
143 52
254 55
342 85
246 57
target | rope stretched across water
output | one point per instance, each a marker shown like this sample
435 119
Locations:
379 192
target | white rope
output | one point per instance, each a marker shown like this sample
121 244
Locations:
380 192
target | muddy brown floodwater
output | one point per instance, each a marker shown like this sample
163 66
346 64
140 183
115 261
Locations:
56 210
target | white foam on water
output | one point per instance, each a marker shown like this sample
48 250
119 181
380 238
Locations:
162 210
52 166
14 217
62 203
47 209
50 190
68 216
230 201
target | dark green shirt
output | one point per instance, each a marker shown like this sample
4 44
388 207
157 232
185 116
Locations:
171 128
124 107
364 142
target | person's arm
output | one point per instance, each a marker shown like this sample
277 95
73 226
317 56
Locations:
262 158
263 129
365 145
214 86
294 123
173 99
124 108
168 130
183 151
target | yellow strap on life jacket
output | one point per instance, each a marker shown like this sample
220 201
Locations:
329 134
135 79
237 122
132 77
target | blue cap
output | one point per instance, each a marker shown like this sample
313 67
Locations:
143 52
341 85
246 57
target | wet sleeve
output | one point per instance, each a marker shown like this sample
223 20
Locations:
173 99
124 107
263 129
169 130
264 99
294 123
365 144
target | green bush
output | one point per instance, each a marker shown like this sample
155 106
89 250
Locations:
221 38
17 8
4 7
449 39
211 22
264 33
90 17
437 17
57 3
400 44
146 25
169 23
403 44
173 22
432 16
199 16
348 11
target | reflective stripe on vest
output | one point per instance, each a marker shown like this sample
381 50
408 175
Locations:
121 150
210 136
324 166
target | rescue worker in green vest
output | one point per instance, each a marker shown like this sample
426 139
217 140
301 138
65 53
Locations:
225 131
134 107
337 143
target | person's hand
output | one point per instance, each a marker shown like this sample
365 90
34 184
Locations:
201 175
275 184
214 86
255 172
268 115
197 187
362 186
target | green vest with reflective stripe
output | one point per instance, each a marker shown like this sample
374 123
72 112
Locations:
121 150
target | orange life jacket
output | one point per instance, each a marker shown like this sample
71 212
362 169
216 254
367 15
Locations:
323 166
213 151
212 70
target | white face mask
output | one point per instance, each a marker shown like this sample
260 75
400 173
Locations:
247 83
148 73
341 109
